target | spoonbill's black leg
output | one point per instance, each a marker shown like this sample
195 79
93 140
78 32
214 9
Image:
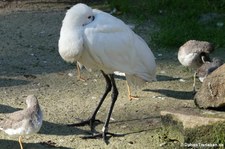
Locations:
106 125
90 121
114 98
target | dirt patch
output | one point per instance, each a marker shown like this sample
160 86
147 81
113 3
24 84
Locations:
30 64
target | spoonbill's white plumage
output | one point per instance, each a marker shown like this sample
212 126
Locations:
102 42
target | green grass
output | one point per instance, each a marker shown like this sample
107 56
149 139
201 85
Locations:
179 20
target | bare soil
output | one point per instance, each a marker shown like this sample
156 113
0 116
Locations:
30 64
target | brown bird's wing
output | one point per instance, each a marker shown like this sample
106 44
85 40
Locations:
195 46
12 119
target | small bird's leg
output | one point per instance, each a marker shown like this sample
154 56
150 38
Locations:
130 97
20 142
90 121
203 59
79 77
194 90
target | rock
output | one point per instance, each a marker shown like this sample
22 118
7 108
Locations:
191 126
212 92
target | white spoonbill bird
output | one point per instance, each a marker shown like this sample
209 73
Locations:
103 42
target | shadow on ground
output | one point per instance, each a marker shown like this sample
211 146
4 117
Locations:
165 78
184 95
50 128
7 109
9 144
8 82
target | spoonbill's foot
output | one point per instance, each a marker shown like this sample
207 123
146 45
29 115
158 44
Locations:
103 135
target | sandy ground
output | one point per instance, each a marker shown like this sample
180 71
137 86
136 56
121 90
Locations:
30 64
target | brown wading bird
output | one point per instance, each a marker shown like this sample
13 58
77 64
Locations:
23 122
102 42
193 54
207 68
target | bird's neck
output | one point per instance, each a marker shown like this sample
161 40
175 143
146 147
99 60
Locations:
71 43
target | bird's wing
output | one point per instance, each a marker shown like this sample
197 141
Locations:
193 46
9 119
203 70
116 47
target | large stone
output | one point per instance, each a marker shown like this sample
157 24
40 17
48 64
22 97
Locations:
212 92
194 127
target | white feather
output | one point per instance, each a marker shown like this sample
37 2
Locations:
108 44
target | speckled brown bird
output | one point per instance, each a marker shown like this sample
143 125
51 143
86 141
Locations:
23 122
194 53
207 68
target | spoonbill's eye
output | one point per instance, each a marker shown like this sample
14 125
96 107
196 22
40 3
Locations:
89 17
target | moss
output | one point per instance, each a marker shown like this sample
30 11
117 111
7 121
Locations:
173 130
211 134
178 21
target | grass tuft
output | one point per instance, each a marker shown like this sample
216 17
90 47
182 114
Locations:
179 20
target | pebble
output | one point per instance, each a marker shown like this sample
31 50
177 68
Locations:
159 54
182 80
70 74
